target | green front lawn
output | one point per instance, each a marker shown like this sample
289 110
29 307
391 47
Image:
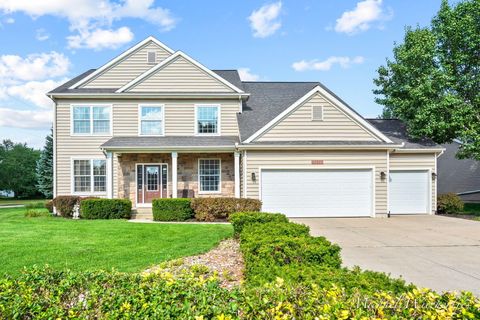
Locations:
11 201
98 244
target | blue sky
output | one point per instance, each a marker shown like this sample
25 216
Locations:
339 43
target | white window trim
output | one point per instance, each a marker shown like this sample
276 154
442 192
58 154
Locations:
154 52
72 177
140 106
106 105
220 177
322 109
219 119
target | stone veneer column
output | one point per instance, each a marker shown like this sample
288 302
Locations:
174 174
236 173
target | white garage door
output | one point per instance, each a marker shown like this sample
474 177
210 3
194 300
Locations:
409 192
317 193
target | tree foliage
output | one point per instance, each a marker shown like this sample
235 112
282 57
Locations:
17 168
44 170
433 83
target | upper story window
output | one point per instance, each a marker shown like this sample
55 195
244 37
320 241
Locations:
91 119
151 120
207 119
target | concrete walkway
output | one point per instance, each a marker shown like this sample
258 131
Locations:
436 252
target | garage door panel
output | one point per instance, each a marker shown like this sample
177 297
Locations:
409 192
317 193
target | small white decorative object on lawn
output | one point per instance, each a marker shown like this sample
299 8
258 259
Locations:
76 211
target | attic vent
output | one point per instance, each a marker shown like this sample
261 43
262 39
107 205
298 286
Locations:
317 113
151 57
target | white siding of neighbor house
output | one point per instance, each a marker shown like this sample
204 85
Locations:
179 121
303 159
416 161
129 68
335 126
180 75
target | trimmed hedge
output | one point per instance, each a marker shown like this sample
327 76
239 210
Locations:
106 209
47 294
241 219
211 209
449 203
172 209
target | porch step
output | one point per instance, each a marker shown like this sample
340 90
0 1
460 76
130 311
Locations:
142 214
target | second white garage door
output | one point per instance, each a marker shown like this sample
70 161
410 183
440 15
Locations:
317 193
409 192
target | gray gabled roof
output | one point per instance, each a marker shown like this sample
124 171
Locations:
396 131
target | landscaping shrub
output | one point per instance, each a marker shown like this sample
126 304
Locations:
259 231
47 294
211 209
64 205
241 219
172 209
106 209
49 206
449 203
35 213
35 205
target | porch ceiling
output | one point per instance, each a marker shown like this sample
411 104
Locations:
171 143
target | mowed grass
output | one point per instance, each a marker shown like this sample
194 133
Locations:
98 244
10 201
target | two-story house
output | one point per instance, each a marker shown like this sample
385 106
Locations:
154 122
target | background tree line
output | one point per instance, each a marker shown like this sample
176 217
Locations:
26 171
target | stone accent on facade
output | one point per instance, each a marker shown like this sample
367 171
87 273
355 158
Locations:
187 172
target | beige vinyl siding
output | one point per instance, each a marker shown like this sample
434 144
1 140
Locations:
335 126
129 68
416 161
68 146
180 75
303 159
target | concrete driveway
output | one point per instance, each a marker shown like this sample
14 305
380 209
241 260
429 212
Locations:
436 252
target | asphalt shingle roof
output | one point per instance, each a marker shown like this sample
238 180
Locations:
170 141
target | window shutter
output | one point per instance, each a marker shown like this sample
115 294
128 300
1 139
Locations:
317 113
151 57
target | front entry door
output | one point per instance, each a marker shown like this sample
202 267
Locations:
151 183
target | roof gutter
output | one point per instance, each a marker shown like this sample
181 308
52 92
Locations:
423 150
128 95
317 147
166 149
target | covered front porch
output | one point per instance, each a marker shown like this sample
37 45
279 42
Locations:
145 168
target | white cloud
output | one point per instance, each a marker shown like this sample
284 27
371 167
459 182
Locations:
360 19
99 39
325 65
34 66
9 20
25 118
32 91
264 21
42 34
88 17
246 75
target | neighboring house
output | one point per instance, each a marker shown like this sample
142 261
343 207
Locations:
458 176
154 122
6 194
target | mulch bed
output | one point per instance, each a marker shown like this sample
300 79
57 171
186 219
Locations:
462 216
226 260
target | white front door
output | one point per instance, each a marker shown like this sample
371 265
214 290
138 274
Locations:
409 192
318 193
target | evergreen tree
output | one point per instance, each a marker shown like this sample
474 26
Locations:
44 171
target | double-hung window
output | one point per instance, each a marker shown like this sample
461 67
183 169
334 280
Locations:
208 119
151 120
91 119
89 175
209 175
